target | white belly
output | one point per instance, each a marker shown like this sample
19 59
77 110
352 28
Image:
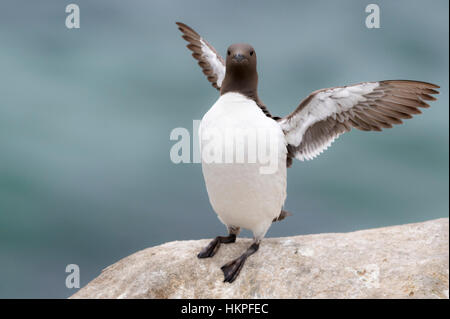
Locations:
245 177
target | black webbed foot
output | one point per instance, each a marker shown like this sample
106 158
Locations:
214 245
210 250
232 269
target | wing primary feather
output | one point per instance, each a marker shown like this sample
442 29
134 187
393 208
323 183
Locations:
325 114
209 60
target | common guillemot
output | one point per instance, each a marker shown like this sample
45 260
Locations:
240 193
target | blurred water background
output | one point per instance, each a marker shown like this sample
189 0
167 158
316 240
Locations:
85 118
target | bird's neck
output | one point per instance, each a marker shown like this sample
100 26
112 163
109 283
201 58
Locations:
243 83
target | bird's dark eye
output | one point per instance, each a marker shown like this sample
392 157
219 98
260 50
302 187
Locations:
228 52
251 52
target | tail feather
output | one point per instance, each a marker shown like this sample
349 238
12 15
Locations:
282 216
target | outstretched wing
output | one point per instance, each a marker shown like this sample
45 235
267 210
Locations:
209 60
370 106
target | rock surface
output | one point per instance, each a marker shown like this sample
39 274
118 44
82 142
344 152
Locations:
408 261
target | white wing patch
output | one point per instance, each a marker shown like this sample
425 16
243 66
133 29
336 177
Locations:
216 65
317 150
323 105
370 106
208 59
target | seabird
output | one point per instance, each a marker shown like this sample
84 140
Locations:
240 194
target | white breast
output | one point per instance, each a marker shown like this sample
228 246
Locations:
243 163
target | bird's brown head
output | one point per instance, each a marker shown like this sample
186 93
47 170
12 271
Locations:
241 56
240 74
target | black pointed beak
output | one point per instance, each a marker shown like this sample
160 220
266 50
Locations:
238 57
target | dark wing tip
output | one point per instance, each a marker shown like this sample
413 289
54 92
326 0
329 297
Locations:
195 45
412 82
186 29
181 24
422 90
431 85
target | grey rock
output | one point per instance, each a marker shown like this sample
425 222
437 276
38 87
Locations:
408 261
